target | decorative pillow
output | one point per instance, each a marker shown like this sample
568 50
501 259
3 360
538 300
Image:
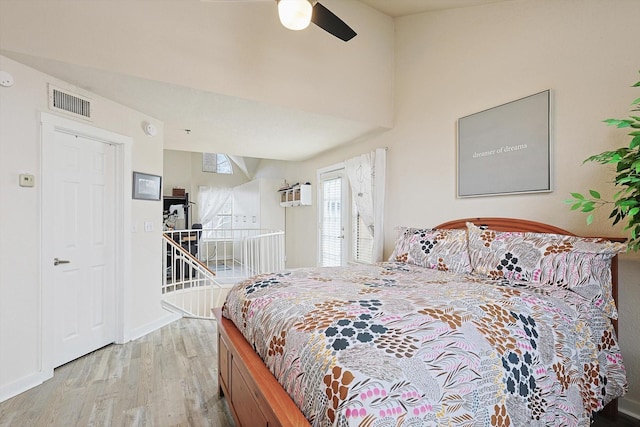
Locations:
437 249
577 263
401 251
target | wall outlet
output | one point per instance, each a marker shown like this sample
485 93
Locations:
27 180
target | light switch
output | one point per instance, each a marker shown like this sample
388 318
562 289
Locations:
27 180
148 226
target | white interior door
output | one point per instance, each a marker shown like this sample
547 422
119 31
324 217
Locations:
333 211
81 244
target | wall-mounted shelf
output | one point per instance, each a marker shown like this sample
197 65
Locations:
296 195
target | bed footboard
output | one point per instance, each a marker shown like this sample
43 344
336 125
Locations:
254 396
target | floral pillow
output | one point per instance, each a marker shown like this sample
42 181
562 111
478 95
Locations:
401 250
580 264
444 250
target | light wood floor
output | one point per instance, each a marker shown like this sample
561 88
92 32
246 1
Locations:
166 378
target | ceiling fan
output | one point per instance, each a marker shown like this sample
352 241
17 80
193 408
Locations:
297 14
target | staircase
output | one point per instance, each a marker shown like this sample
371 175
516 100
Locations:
201 265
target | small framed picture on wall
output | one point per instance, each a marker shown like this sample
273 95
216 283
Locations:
146 186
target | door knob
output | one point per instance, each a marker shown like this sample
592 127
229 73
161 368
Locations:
57 261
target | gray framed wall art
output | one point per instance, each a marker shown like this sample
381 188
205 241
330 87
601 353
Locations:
506 149
146 186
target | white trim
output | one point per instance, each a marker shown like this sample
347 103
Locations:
379 186
332 168
123 146
7 391
150 327
629 407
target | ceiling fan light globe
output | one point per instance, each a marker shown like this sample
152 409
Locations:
295 14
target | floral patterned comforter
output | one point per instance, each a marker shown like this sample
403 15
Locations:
396 344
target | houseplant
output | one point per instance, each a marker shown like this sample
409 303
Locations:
626 159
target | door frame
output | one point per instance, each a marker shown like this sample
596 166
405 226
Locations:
50 124
338 169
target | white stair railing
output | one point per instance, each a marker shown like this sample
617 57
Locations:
188 286
263 253
201 265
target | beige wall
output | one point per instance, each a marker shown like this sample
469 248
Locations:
453 63
20 218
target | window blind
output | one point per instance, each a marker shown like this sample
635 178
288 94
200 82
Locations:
361 238
331 234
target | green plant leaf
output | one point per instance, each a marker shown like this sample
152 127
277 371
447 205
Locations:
589 219
588 206
633 211
637 101
624 180
576 206
577 196
594 194
618 218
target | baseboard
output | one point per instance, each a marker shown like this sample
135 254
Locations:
629 407
150 327
7 391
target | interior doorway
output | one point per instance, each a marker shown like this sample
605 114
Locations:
83 239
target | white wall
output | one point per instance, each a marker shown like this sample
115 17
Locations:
453 63
20 216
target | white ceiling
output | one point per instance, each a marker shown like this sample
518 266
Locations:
237 126
398 8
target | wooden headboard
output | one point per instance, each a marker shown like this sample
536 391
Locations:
507 224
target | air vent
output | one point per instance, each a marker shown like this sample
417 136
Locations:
70 103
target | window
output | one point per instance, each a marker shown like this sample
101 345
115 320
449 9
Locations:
216 163
332 214
222 220
361 239
215 207
347 213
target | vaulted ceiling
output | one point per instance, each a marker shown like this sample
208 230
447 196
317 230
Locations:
226 72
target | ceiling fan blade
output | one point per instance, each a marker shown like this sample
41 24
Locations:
329 22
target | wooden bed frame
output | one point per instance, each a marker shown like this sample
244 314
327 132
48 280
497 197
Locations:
256 398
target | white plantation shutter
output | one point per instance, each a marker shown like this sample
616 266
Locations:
331 228
361 238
